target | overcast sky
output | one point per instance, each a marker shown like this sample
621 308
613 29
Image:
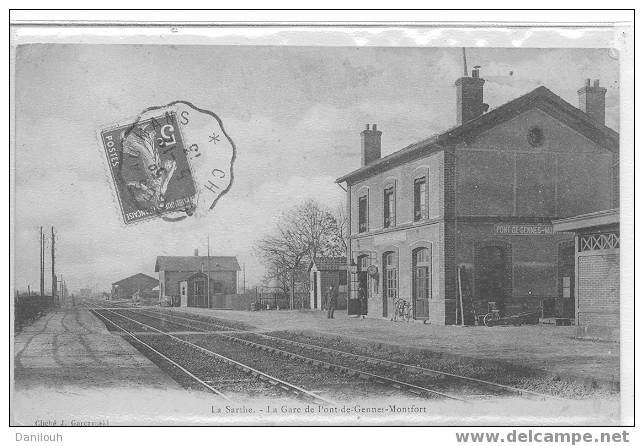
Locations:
295 115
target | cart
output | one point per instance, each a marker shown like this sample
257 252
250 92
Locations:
493 317
528 317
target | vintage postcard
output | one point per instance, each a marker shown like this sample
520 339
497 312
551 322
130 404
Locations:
309 233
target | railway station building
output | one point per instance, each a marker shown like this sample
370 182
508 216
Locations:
177 273
466 215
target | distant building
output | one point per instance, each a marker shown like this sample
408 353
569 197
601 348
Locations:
136 284
85 292
596 287
325 272
175 269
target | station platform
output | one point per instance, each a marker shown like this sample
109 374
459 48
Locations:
67 360
548 348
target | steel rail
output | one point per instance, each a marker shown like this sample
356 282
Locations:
261 375
182 324
190 319
393 364
418 390
174 363
413 388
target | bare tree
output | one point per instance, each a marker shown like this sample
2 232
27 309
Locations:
302 233
341 229
283 253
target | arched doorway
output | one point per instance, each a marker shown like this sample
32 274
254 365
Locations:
363 278
389 280
493 270
422 281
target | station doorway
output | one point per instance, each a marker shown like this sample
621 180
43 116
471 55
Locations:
363 282
422 282
492 281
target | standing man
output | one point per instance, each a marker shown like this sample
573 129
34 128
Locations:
332 301
362 295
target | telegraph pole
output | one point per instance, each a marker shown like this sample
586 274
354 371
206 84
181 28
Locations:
61 292
208 253
53 270
42 263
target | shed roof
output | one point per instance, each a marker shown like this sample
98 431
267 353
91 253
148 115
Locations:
194 263
138 276
586 221
540 97
329 263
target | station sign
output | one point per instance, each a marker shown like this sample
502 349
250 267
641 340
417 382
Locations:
523 229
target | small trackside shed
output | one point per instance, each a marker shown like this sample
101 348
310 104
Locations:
596 286
126 288
325 272
174 269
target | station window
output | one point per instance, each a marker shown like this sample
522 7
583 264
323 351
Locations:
363 210
565 286
342 277
422 273
391 275
420 199
389 208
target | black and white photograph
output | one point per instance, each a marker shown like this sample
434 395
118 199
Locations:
317 231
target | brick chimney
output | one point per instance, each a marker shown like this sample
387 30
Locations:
370 144
592 100
469 97
196 252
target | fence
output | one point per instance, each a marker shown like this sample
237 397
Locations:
29 308
232 301
270 298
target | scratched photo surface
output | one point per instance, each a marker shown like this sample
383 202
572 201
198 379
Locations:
274 235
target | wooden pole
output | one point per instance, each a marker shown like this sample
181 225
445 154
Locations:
42 263
460 296
208 270
53 270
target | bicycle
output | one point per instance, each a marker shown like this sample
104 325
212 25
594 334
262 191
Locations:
402 310
491 318
493 315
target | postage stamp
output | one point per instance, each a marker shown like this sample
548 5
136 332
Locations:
171 162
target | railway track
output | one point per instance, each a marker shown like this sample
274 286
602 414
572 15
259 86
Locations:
265 377
332 355
358 357
333 359
410 368
361 375
200 381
